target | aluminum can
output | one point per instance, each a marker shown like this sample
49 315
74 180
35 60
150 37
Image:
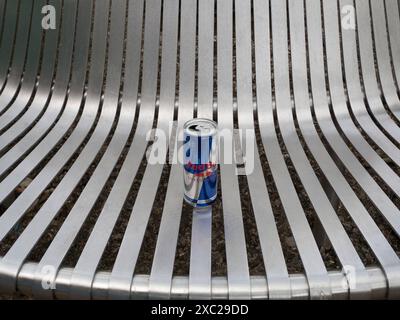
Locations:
200 162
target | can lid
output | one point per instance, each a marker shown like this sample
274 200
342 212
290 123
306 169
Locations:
201 127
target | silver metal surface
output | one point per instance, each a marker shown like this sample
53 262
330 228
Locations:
200 251
77 106
219 285
44 91
16 68
163 262
235 247
10 11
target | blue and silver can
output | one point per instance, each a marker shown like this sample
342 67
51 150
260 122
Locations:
200 162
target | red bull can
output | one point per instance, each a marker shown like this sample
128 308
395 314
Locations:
200 162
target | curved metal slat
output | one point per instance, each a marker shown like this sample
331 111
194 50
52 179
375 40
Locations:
258 191
71 109
2 13
31 68
380 199
340 110
7 39
277 274
50 208
54 165
356 95
164 256
12 85
235 247
326 214
381 43
66 235
44 90
200 250
368 67
123 270
309 253
360 216
87 262
393 21
58 97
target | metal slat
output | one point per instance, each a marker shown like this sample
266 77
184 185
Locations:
343 247
124 266
57 98
308 250
2 13
200 255
259 194
277 274
15 212
56 163
386 75
371 232
102 129
68 232
370 80
328 128
71 109
81 276
164 256
13 81
7 40
377 195
327 216
87 264
200 250
235 246
31 68
393 21
352 164
356 95
205 58
339 107
179 289
123 269
44 89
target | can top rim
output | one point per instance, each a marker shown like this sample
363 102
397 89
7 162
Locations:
205 127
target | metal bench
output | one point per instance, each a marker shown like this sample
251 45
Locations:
77 103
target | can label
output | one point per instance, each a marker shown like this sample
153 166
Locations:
200 162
